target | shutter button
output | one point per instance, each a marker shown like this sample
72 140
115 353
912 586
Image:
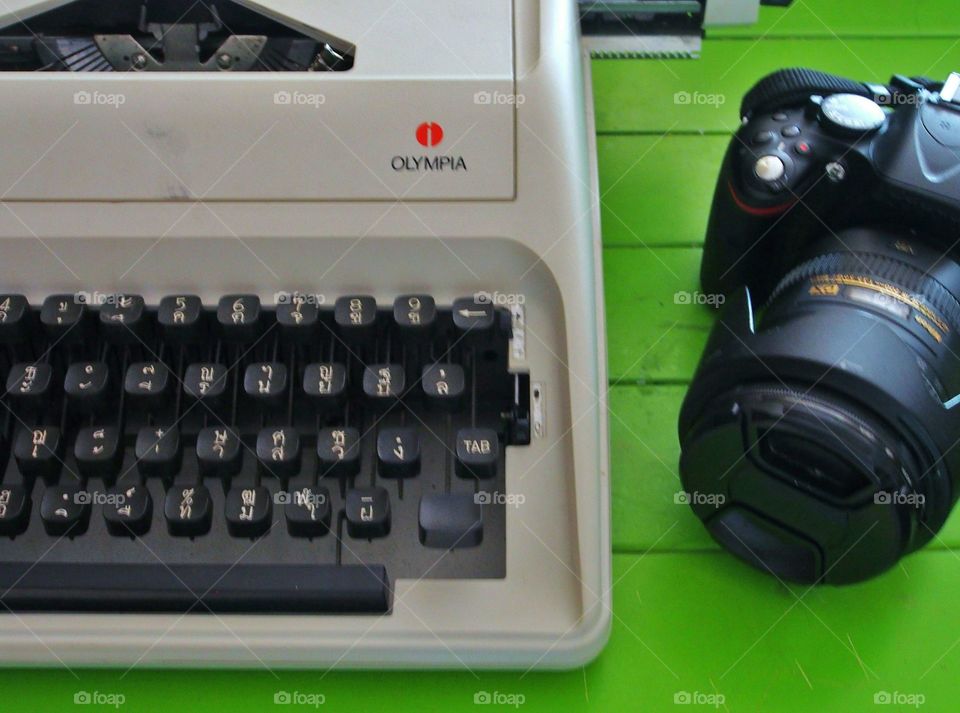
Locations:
769 168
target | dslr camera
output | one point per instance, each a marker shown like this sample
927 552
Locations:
824 416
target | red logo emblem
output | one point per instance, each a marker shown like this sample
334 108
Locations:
429 134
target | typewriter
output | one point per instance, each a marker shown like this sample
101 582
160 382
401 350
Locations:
301 327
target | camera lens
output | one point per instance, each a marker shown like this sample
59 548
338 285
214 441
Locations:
818 433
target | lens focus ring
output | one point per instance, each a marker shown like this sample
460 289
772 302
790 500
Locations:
881 268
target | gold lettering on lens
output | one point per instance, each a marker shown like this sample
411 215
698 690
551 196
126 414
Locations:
929 327
829 285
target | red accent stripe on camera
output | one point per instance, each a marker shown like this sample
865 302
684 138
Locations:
753 210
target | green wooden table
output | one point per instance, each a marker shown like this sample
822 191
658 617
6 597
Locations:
690 623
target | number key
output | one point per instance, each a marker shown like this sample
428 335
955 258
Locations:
180 318
415 315
238 318
123 319
355 316
63 317
15 319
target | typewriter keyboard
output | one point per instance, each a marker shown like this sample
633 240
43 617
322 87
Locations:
296 457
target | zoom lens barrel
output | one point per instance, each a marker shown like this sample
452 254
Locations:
818 434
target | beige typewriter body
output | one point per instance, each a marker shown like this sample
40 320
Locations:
341 183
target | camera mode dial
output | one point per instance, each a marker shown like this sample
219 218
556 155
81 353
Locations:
846 114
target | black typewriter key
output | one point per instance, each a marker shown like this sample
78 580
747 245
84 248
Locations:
266 382
98 451
248 511
14 509
398 452
472 316
85 384
147 383
30 385
478 450
238 318
188 510
443 385
368 512
128 509
415 315
124 320
16 320
278 450
325 383
355 317
158 451
219 452
383 383
307 511
63 318
338 452
38 451
298 317
450 520
65 510
205 382
181 319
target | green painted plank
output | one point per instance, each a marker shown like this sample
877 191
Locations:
661 96
829 18
656 190
644 456
644 482
654 332
684 623
705 623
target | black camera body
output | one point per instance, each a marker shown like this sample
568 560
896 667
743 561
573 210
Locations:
814 163
823 420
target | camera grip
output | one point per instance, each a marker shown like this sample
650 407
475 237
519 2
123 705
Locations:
737 250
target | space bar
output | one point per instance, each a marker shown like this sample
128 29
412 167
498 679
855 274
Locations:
119 587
